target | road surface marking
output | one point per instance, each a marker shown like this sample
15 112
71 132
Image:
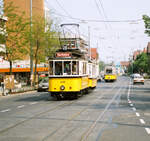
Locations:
3 111
142 121
137 114
33 103
131 104
134 109
90 129
147 130
21 106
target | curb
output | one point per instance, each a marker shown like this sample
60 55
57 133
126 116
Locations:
16 94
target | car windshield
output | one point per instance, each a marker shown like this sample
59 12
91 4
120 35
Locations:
45 80
138 77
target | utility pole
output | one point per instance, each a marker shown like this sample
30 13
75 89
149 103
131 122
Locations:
31 50
89 42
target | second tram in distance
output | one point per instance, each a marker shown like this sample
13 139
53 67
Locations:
110 74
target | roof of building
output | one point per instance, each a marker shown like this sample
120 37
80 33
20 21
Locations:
94 54
125 63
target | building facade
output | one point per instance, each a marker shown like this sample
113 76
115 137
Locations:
24 6
21 69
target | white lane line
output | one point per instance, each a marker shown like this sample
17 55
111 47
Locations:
3 111
147 130
142 121
134 109
21 106
137 114
131 104
33 103
129 89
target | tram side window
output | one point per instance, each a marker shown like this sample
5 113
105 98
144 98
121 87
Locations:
93 70
51 67
84 68
67 67
58 68
75 68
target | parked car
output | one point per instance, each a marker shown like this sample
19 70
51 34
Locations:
138 79
135 75
43 85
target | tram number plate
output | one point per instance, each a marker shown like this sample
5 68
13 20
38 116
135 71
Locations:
62 81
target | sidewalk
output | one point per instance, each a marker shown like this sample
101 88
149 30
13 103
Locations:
19 90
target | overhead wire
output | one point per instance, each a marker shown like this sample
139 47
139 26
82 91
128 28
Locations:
105 15
60 5
94 20
101 21
98 8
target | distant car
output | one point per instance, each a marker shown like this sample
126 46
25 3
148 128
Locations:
138 79
43 85
134 75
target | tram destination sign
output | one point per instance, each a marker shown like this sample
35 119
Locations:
63 55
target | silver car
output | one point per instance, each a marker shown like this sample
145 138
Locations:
43 85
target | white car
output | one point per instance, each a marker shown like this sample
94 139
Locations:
138 79
43 85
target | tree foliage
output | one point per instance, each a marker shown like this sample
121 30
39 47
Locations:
14 32
101 65
140 65
147 24
44 38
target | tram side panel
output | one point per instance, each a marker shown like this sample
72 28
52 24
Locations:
92 70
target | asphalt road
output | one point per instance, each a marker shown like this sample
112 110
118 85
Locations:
116 111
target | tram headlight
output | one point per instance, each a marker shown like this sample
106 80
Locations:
62 87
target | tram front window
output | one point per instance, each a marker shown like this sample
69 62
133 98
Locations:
109 71
58 68
67 67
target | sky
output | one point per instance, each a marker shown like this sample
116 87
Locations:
117 37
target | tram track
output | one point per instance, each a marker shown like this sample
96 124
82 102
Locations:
74 116
50 110
35 116
87 133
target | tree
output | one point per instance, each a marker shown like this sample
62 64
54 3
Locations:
44 41
14 33
147 24
140 65
147 31
101 65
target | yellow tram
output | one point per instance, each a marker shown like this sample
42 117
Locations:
110 74
70 72
68 77
93 71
